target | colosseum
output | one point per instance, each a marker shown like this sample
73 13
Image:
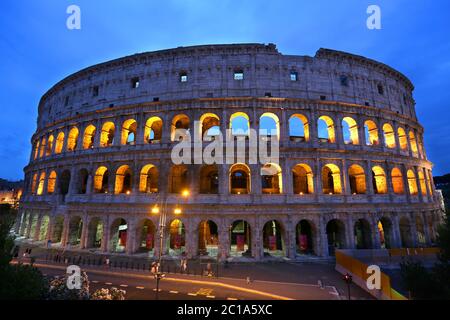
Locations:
352 171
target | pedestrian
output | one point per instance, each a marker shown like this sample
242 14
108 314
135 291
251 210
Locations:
248 280
107 263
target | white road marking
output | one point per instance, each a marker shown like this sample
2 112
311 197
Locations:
124 285
94 281
141 288
108 283
231 299
173 291
211 297
192 294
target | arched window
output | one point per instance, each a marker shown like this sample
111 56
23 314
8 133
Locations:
269 125
302 179
271 180
389 136
412 141
239 179
178 179
34 183
429 178
180 128
59 143
325 128
403 141
240 124
210 126
64 182
371 133
40 189
298 128
397 181
357 179
36 150
101 180
209 179
72 139
107 134
148 182
423 186
88 138
379 180
82 181
49 149
123 180
129 128
153 130
331 179
350 131
51 182
43 148
412 182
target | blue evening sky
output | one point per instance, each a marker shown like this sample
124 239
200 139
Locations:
37 50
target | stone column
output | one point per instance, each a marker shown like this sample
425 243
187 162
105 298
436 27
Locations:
287 177
118 122
257 246
37 230
84 231
426 231
290 237
140 130
30 221
345 179
339 134
131 236
369 177
256 187
397 241
105 237
72 182
349 232
419 186
98 133
405 182
375 233
313 132
322 237
318 188
224 240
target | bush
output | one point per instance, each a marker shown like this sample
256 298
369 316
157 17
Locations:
58 289
22 282
106 294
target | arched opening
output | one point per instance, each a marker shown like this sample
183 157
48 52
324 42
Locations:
209 179
180 128
269 125
51 182
49 149
240 124
371 133
44 228
271 179
148 182
397 181
405 233
210 126
123 180
34 183
107 134
240 239
58 226
379 180
101 180
413 142
88 138
362 234
208 238
153 130
350 131
239 179
335 236
420 232
402 139
429 178
72 139
385 231
389 136
118 234
325 129
304 237
412 182
331 179
303 179
59 143
177 239
146 236
95 233
36 149
129 128
298 128
75 228
178 179
40 188
423 186
273 239
34 220
43 148
83 176
357 179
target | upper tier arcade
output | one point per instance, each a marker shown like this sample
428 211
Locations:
211 71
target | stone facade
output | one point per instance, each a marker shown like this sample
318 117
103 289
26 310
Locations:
101 156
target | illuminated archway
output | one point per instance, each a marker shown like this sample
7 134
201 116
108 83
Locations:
371 133
326 131
240 239
129 129
123 180
273 242
298 128
402 139
75 229
412 182
240 124
239 179
49 148
413 141
350 131
59 143
180 127
269 125
146 232
107 134
357 179
153 130
389 136
72 139
331 179
178 178
177 238
118 235
208 238
423 186
397 181
95 233
271 179
385 231
148 182
51 183
303 179
88 138
101 180
379 180
40 188
210 126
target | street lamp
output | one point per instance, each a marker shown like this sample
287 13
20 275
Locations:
348 279
162 225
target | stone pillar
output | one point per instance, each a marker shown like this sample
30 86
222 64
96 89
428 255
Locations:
349 232
30 221
322 237
37 230
224 181
105 237
405 182
375 233
89 181
224 240
111 178
290 237
318 188
426 231
397 141
419 186
256 188
84 231
286 168
131 236
345 179
339 134
313 132
397 239
140 130
369 177
73 181
118 122
284 128
256 239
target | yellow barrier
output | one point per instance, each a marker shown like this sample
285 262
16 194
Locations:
403 252
359 269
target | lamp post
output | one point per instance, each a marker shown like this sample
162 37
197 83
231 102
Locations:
348 279
162 225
